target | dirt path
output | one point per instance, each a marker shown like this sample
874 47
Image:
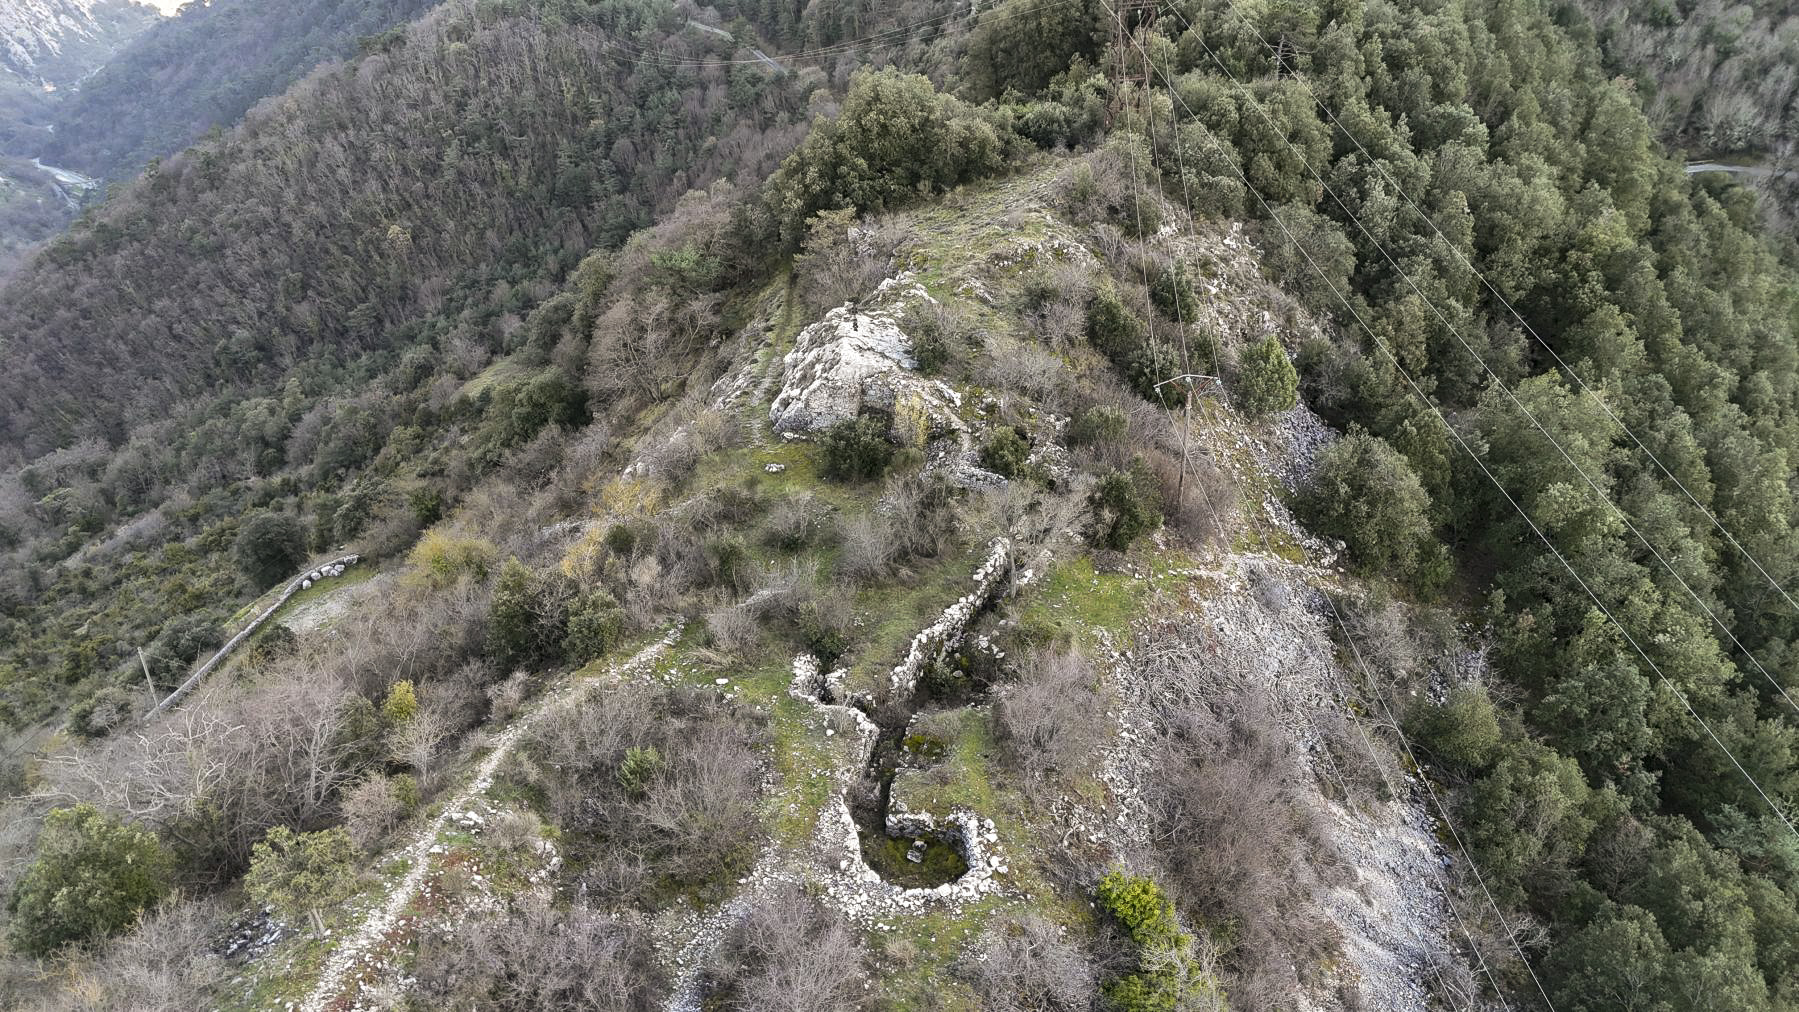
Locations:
356 948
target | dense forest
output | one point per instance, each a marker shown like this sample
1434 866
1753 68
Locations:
430 291
336 245
205 68
1718 81
47 49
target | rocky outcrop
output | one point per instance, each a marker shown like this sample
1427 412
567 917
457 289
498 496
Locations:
858 358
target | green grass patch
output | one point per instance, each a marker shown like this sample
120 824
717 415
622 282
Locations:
803 759
1075 601
494 375
920 953
891 615
352 577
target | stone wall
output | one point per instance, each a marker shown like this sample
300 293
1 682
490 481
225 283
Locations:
305 580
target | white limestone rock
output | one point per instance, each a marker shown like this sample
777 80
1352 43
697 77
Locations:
857 357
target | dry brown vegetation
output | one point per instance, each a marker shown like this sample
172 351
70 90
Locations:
655 788
792 953
1238 820
1051 716
538 958
1031 965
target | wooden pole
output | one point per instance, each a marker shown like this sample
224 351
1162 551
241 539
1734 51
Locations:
147 679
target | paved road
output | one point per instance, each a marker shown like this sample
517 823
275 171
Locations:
1755 171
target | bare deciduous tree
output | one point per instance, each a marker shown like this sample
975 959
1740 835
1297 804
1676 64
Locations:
535 958
1030 965
789 954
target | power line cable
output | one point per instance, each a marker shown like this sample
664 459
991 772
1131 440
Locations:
1503 301
1497 381
1456 913
1456 435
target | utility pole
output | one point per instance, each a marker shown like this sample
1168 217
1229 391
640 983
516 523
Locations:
147 679
1190 382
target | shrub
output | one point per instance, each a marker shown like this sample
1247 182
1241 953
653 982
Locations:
371 810
1050 719
444 558
794 523
867 548
896 139
1006 452
667 779
536 957
1099 425
938 332
1235 808
274 642
1266 379
788 952
856 450
185 639
1141 908
1167 978
1463 732
732 629
825 629
832 267
106 709
528 620
299 874
166 961
640 766
595 625
621 539
730 559
427 505
1172 292
1122 338
1364 492
1112 328
92 877
1029 966
1125 508
270 546
401 704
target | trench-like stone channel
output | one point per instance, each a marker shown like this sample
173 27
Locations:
917 850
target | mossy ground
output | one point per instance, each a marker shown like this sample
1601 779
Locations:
939 862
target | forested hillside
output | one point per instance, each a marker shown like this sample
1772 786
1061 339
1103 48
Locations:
205 68
1303 494
47 49
1719 81
422 173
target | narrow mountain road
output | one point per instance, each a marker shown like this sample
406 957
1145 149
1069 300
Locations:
1753 171
356 950
768 60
